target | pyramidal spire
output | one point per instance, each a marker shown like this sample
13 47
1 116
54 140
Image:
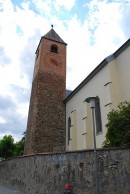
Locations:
52 35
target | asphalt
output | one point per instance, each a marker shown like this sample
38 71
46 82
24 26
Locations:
8 190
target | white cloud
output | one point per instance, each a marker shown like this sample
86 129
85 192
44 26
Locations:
22 110
66 3
2 120
44 7
6 5
105 18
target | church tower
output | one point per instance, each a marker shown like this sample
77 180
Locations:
46 118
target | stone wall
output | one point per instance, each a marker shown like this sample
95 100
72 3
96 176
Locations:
48 173
46 119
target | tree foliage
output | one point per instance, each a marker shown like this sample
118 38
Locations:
118 127
9 149
19 148
6 146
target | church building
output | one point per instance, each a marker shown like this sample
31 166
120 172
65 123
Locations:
57 123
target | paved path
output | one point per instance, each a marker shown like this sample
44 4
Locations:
8 190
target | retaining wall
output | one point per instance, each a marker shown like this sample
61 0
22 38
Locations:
48 173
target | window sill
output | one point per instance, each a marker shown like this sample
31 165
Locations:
99 133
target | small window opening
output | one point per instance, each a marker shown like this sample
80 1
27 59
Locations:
54 48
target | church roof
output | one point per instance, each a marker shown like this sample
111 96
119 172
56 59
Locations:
52 35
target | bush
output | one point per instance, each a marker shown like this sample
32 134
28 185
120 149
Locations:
118 127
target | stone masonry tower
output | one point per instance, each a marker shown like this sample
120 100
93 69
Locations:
46 118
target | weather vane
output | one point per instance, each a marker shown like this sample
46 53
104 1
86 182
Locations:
52 25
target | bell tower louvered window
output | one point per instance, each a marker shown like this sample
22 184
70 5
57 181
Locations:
54 48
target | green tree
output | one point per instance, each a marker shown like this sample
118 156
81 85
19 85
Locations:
19 148
6 147
9 149
118 127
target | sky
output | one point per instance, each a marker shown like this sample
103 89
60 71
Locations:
93 30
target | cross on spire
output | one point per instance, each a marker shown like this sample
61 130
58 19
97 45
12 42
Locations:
52 25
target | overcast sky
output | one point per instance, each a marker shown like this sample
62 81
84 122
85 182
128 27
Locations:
93 29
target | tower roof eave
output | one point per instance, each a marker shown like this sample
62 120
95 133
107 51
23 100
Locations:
51 35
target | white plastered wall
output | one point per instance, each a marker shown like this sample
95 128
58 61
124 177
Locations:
111 85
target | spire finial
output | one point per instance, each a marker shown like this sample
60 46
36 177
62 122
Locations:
52 26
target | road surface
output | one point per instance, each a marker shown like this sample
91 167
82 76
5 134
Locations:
8 190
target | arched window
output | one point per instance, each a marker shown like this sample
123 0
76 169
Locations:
54 48
98 116
69 126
